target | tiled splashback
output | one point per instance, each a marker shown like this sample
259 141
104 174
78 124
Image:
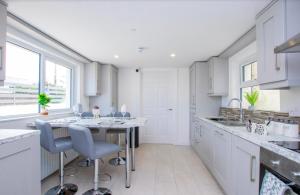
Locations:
258 116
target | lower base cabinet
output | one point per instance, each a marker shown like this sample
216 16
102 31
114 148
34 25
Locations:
233 161
245 171
222 163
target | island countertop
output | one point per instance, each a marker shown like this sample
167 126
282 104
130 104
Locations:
11 135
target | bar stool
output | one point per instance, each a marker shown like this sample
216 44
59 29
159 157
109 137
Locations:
84 144
58 145
119 160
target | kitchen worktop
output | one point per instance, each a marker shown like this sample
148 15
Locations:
11 135
262 141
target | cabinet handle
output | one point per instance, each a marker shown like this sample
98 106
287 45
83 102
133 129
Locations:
252 164
276 62
1 58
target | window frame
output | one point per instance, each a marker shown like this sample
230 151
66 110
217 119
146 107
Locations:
67 65
28 44
250 83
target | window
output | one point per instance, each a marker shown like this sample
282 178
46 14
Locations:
268 99
21 87
27 76
249 72
58 85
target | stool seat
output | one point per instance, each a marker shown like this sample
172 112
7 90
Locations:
63 144
102 149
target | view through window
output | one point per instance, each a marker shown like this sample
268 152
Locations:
58 85
21 86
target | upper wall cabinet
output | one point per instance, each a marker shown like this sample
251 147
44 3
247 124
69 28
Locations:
218 76
109 90
274 25
92 79
3 20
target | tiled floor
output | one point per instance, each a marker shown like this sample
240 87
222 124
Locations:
160 170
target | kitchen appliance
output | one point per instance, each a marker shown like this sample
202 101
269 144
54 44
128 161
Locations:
291 145
284 169
290 46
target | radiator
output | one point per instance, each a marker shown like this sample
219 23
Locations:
50 162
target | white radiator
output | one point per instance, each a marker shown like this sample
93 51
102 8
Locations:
50 162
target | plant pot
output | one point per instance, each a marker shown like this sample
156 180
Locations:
44 111
251 108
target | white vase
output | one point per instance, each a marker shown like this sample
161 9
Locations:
251 107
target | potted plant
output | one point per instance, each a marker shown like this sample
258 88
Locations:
252 98
44 100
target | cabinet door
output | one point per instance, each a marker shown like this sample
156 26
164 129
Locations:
193 85
245 156
3 17
206 145
270 32
222 158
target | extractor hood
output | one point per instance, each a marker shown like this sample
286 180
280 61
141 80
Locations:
290 46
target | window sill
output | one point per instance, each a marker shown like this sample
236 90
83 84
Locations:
20 117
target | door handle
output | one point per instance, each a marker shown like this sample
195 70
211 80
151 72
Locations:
170 109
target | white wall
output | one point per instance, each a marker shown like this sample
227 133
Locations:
129 93
289 101
183 137
129 90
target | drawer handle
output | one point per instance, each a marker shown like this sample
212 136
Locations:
296 174
275 162
252 168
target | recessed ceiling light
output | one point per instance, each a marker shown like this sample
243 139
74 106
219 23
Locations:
172 55
116 56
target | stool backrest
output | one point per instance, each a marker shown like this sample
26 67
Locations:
82 140
47 138
87 115
119 114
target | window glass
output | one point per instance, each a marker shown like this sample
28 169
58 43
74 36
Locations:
21 86
267 100
58 85
249 72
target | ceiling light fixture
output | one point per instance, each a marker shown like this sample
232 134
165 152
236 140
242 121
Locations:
116 56
172 55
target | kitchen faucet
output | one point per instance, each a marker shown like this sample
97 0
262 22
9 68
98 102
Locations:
241 108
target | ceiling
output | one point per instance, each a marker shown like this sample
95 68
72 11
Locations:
193 30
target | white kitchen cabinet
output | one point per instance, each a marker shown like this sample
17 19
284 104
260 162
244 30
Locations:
274 25
245 172
92 79
206 144
222 159
218 76
109 90
20 165
3 22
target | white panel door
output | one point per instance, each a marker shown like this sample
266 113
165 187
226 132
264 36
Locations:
159 94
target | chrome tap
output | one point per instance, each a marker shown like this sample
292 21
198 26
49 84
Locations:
241 108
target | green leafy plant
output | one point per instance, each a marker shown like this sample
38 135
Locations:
44 100
252 97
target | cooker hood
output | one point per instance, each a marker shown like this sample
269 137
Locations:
290 46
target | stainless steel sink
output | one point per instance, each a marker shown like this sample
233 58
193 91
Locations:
227 122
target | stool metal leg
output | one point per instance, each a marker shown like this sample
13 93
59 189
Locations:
66 189
119 160
96 190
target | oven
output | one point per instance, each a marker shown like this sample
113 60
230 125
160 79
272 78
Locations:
284 169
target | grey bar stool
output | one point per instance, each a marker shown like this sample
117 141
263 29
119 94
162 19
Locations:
58 145
84 144
119 160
